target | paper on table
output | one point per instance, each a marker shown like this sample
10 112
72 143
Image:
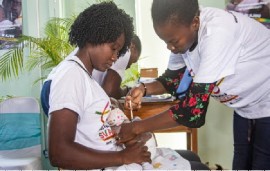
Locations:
158 98
154 98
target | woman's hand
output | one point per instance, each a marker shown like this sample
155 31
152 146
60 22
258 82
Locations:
126 133
136 153
135 96
144 137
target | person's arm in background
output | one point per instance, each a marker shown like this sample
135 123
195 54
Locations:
113 78
112 85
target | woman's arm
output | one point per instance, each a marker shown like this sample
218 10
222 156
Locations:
65 153
112 84
166 83
190 111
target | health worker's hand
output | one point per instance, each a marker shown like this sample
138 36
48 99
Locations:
135 96
144 137
126 133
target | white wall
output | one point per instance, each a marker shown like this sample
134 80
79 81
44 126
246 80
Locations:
215 138
154 52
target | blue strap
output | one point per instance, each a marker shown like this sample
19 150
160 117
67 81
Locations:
184 84
44 97
45 92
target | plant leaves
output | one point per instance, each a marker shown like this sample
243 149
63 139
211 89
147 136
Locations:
45 52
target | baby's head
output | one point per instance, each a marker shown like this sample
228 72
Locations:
116 117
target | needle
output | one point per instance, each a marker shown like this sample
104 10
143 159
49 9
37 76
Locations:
131 112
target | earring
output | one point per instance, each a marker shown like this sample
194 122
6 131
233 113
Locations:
173 48
115 57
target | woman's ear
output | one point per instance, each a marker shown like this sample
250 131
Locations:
132 46
196 23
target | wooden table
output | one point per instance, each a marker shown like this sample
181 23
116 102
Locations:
152 108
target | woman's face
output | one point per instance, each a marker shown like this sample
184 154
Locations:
17 7
178 37
102 56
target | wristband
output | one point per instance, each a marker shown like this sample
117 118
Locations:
144 88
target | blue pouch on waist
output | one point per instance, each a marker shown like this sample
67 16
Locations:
184 84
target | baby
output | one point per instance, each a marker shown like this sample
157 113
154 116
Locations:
162 158
115 119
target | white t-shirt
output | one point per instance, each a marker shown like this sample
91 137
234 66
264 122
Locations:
4 25
74 89
176 62
119 66
237 48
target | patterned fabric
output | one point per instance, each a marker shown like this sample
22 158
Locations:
191 109
170 79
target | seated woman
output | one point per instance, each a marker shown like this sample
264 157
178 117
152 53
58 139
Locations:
78 137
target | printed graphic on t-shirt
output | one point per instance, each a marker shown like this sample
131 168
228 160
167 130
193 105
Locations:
225 98
105 132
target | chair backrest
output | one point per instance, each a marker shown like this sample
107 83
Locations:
20 125
44 96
